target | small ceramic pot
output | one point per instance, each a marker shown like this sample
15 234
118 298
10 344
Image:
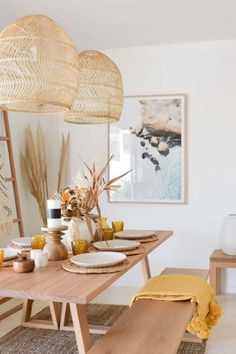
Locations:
23 264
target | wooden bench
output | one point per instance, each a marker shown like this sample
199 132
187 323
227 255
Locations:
150 327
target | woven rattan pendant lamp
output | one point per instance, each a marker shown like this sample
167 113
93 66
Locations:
100 92
38 66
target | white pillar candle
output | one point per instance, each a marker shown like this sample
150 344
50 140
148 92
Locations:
41 259
34 252
54 213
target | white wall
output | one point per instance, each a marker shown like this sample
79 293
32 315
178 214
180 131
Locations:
206 72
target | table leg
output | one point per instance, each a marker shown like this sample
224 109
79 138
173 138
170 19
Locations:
27 321
215 277
12 310
81 328
217 281
146 268
27 308
65 313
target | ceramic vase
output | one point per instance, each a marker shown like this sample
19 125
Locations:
82 228
228 235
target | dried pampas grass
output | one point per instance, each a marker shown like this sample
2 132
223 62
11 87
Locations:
62 163
34 165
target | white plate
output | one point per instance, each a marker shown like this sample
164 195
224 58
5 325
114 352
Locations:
116 245
9 253
22 241
134 234
99 259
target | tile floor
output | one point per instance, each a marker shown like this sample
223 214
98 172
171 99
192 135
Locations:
222 340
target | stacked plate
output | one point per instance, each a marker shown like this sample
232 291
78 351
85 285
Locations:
98 259
134 234
21 244
116 245
9 254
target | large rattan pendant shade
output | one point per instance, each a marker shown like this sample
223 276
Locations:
38 66
100 92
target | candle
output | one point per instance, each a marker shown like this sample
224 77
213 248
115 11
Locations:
40 258
54 213
34 252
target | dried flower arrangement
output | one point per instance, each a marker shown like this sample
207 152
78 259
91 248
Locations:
34 165
79 201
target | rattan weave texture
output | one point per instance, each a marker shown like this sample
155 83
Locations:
38 66
73 268
100 92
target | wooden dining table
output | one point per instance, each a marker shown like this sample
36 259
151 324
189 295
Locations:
68 292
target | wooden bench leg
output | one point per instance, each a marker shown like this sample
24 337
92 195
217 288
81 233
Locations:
215 277
146 268
81 328
188 337
27 321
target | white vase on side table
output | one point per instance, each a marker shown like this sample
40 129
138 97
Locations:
228 235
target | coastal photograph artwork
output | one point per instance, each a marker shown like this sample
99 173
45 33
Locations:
149 139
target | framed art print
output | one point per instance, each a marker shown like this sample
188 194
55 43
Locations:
150 140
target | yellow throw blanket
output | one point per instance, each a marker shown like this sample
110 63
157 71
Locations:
179 287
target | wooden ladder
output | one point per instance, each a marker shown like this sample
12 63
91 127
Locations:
18 219
12 178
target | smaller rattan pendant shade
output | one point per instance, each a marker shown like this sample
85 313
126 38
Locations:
38 66
100 93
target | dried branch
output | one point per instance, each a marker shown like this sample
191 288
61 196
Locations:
62 164
33 164
78 201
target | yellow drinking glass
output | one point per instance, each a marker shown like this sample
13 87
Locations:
38 242
107 234
1 257
117 226
79 246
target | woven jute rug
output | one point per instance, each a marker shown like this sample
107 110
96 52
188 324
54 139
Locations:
41 341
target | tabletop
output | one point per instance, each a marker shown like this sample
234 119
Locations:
52 283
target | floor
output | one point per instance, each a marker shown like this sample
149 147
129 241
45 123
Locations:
222 340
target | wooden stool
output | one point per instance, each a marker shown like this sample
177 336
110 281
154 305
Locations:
219 260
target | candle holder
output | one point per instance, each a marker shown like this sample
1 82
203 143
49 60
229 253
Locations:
117 226
38 241
107 234
54 247
79 246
